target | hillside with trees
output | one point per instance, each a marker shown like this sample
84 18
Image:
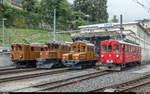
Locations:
38 14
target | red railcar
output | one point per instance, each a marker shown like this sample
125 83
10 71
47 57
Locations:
119 54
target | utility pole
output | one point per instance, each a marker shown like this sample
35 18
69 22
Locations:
2 1
54 25
3 31
121 26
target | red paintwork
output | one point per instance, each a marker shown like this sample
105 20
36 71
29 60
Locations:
124 57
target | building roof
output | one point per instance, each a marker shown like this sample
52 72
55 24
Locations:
107 29
104 25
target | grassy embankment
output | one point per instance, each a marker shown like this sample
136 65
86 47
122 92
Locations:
30 36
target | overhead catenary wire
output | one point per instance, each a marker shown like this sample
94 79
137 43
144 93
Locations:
143 5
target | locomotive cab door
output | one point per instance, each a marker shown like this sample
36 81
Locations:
27 52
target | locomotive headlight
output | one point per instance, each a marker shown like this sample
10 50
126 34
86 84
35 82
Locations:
40 53
21 56
102 56
117 56
76 57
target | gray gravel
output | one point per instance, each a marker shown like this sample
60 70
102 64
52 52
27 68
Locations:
104 81
145 89
5 60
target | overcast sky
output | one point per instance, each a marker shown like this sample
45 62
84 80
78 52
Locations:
131 11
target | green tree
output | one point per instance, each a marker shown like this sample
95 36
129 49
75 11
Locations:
30 5
63 11
96 9
114 20
78 22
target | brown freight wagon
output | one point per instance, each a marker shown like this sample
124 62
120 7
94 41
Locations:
24 55
51 55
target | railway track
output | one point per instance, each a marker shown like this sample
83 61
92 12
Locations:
130 86
7 68
14 78
62 83
17 71
65 82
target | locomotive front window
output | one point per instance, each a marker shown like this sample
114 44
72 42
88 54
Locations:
46 49
109 48
73 48
83 48
42 49
20 48
16 48
104 48
116 48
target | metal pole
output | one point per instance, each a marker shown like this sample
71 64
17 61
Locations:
2 1
121 28
54 25
3 29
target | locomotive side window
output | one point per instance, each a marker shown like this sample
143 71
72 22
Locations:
12 47
109 48
27 49
20 48
128 49
121 46
32 49
78 49
63 48
56 46
104 48
116 48
83 48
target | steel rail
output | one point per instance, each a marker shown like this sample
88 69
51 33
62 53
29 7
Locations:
14 78
17 71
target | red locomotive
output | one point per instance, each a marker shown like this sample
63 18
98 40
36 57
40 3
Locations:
119 54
